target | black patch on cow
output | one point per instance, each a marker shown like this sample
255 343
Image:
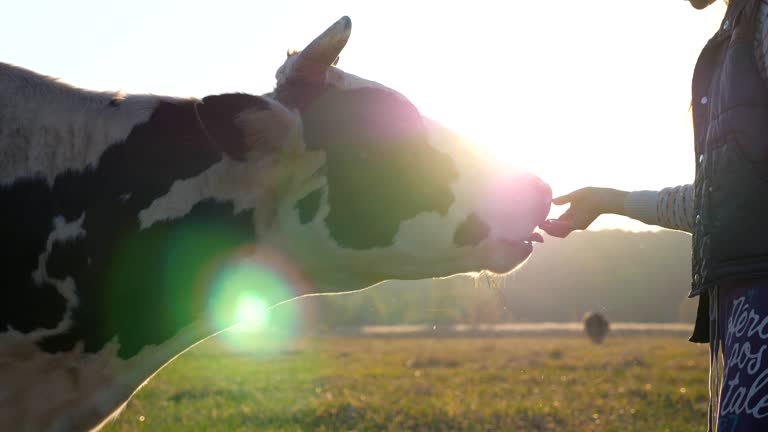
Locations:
309 206
381 170
25 306
471 231
158 278
139 286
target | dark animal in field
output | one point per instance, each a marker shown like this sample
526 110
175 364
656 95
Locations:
596 327
123 216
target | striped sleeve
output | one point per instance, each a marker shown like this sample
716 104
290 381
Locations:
670 207
761 39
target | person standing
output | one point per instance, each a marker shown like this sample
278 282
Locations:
725 209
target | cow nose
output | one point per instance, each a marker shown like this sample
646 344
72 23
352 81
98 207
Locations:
543 193
540 188
538 195
528 187
515 204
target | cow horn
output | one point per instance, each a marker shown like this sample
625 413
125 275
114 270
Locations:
322 52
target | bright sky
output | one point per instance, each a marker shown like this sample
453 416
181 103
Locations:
579 92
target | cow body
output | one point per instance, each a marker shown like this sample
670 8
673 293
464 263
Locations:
121 211
596 326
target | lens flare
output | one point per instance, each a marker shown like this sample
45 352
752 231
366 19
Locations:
251 312
241 297
240 292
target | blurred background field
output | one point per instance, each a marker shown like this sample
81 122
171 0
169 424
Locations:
635 383
460 354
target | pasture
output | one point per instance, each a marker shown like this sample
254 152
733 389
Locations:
549 383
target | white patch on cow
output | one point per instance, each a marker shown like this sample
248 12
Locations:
75 390
225 181
62 231
48 127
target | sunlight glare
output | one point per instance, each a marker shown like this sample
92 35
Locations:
237 295
242 297
251 312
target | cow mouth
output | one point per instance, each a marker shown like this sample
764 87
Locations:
535 237
514 252
508 254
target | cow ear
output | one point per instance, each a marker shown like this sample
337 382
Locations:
239 124
275 129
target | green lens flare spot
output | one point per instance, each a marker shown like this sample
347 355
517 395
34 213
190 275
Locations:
240 295
251 312
241 298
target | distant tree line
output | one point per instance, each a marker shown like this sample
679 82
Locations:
627 276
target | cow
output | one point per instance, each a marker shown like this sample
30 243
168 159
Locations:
596 326
121 212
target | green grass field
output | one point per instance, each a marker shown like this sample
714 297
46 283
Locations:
499 384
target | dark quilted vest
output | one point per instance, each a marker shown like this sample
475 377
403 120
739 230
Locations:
730 117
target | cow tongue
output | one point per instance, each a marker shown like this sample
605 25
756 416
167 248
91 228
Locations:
536 237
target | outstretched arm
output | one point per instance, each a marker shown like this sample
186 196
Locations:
669 208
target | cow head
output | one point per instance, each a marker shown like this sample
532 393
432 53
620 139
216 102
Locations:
390 194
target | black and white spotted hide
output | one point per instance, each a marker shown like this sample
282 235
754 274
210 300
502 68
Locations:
119 211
